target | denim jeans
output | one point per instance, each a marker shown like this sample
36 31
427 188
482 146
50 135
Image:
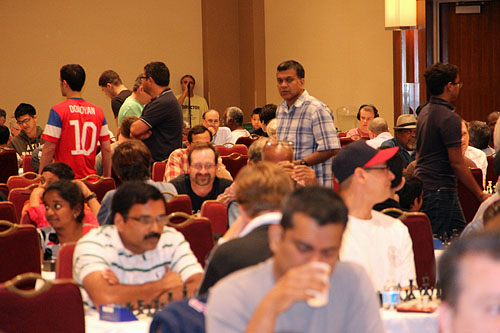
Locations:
444 211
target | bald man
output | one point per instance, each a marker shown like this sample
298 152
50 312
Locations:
378 132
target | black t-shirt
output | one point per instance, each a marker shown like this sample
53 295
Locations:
164 116
438 128
182 184
117 101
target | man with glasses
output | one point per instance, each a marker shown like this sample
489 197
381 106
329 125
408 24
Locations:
439 154
220 134
378 242
137 258
160 125
404 138
30 136
201 183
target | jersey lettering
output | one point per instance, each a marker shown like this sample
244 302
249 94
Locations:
81 140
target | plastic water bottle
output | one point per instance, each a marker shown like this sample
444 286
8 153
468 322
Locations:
391 295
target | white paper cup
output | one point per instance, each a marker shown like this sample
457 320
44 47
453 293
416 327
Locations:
320 298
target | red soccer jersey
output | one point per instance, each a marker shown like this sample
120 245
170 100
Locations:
76 126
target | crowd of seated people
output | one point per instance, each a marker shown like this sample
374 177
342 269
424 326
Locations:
283 215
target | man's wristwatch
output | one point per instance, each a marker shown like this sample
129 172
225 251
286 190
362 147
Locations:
303 162
90 197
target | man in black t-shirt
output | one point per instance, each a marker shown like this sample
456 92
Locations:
201 183
439 155
113 87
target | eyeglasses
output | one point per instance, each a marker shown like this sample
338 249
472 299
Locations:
207 166
148 221
143 77
24 122
381 167
459 84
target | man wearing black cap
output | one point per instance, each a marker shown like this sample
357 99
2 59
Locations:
379 243
404 138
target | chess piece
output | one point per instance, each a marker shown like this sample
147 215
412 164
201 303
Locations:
140 306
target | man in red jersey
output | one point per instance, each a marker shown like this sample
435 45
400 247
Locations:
74 128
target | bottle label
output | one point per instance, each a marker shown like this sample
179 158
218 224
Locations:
390 298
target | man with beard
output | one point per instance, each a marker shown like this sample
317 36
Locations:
404 138
138 257
201 183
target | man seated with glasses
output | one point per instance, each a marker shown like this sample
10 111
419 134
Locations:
30 136
137 258
201 183
378 242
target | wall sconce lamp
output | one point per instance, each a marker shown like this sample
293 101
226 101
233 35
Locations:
400 14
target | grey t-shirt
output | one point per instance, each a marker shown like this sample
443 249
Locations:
353 305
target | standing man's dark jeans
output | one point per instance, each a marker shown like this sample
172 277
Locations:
444 211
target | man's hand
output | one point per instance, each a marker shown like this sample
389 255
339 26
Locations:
110 277
171 282
304 175
287 167
83 187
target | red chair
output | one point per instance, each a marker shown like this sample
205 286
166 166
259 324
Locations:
159 171
8 164
180 203
420 230
344 141
246 140
56 307
20 253
18 196
99 185
8 211
198 233
490 171
216 212
64 261
4 189
27 167
468 201
341 134
234 162
23 180
229 148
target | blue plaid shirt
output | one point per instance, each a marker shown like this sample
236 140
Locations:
309 125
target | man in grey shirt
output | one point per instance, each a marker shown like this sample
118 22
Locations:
274 295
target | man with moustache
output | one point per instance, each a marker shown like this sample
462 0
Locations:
138 257
201 183
405 138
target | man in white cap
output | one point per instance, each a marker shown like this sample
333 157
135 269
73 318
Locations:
378 242
405 138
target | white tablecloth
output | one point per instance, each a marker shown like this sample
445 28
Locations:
409 322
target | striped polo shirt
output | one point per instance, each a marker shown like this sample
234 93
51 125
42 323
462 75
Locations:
102 248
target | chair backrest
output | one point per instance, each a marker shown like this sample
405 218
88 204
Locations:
245 140
198 233
158 171
20 253
8 164
18 197
468 200
234 162
490 170
8 212
55 307
23 180
229 148
64 261
4 189
99 185
344 141
27 167
216 212
180 203
420 231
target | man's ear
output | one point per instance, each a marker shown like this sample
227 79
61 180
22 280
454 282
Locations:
401 185
119 221
275 233
445 318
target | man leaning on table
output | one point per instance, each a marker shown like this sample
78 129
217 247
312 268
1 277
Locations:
137 258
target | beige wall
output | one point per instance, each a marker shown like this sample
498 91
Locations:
342 45
38 37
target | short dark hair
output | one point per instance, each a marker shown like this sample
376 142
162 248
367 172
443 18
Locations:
438 75
412 189
198 129
200 146
256 111
3 113
479 134
159 72
131 193
126 124
292 64
71 193
267 113
4 134
24 109
450 262
109 76
74 75
190 76
61 170
131 160
137 83
320 203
